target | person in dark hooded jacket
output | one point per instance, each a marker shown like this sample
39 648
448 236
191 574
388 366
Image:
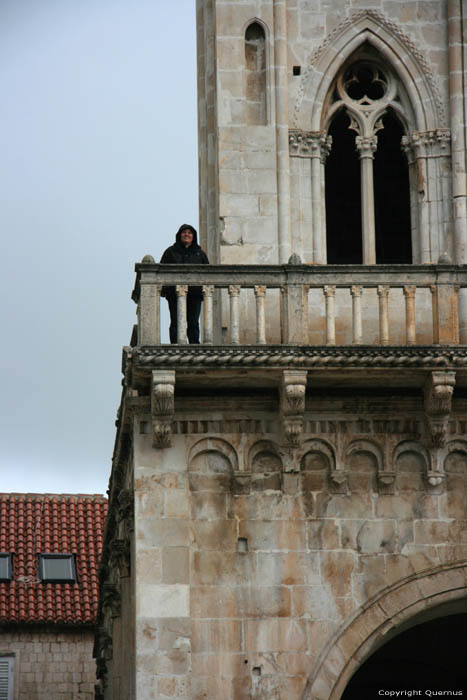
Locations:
185 251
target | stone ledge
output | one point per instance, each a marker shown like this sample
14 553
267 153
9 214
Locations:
305 356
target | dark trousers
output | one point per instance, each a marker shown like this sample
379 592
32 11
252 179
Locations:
193 310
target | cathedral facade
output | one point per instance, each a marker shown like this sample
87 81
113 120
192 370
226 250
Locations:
287 514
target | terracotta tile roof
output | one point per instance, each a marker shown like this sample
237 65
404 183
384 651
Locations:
32 524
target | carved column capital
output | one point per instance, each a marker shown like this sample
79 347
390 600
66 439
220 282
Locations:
439 388
234 290
162 406
260 290
366 145
383 290
181 290
329 290
409 290
432 142
292 404
356 290
309 144
208 290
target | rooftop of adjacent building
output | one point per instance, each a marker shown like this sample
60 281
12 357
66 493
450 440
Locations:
33 525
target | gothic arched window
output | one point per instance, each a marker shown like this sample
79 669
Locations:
367 174
255 75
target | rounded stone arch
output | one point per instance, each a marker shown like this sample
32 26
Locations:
456 446
265 466
451 448
395 47
321 446
411 446
214 445
369 446
419 598
266 446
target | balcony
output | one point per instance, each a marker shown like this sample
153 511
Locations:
326 317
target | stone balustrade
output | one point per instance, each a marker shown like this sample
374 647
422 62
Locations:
305 308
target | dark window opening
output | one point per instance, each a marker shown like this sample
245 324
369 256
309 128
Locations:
6 566
343 195
57 568
364 81
297 70
429 656
255 75
392 195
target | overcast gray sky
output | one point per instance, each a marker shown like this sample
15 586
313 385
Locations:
98 166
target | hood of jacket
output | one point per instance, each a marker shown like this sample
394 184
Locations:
178 237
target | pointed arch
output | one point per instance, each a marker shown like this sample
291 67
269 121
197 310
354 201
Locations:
394 46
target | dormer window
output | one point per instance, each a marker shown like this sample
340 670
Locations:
6 566
57 568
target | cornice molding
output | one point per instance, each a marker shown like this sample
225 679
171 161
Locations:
304 357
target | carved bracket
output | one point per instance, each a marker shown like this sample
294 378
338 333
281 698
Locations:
292 405
162 406
439 388
111 599
120 556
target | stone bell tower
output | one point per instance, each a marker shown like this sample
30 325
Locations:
287 500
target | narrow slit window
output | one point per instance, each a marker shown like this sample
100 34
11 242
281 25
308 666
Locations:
255 75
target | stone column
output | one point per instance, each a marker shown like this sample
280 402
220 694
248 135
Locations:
316 146
208 321
234 293
182 291
457 99
356 292
366 146
409 293
282 130
383 294
260 293
329 294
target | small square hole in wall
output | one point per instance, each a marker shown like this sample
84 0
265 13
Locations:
242 544
296 70
144 427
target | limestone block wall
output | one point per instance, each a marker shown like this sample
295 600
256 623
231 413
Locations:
253 562
50 664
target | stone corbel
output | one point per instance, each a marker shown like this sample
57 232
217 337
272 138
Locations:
162 406
439 388
292 405
111 600
101 669
125 505
120 556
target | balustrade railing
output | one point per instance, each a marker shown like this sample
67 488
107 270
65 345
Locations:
304 310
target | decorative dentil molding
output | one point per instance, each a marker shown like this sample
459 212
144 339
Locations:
162 407
292 404
439 388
